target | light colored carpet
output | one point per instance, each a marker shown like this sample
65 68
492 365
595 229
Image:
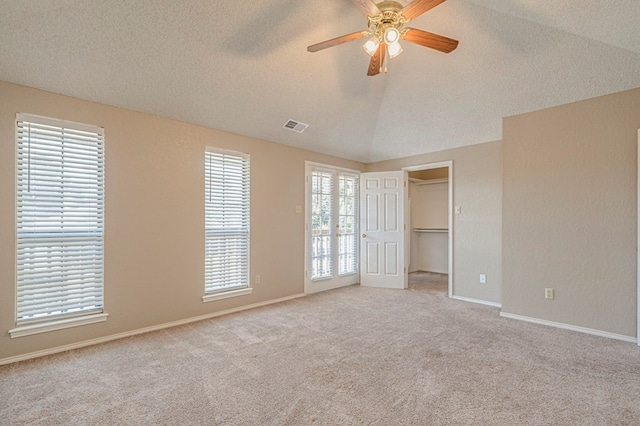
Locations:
352 356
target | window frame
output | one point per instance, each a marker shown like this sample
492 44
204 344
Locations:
59 227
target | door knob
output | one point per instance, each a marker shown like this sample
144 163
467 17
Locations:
364 235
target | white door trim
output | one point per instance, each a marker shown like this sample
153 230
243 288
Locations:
449 165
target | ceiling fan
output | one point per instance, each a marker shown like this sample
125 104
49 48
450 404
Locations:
386 29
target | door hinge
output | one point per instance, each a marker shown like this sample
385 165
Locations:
405 183
405 226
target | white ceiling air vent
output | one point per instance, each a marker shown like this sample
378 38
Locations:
296 126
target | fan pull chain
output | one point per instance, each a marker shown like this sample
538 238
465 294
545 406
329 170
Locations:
386 60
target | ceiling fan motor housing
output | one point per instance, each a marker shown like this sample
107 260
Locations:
390 17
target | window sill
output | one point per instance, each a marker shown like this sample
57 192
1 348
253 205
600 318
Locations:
226 294
28 330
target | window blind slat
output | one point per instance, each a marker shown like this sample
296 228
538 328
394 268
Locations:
82 290
44 297
60 202
59 265
74 154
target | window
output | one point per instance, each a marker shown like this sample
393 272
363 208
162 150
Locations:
59 227
226 224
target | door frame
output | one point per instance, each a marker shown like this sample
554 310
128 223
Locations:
449 165
638 240
308 169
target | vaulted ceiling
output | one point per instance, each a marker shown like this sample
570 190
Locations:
243 67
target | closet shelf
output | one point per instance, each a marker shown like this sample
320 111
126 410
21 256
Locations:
428 182
438 230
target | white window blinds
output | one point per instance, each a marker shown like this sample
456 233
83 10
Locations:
226 220
60 216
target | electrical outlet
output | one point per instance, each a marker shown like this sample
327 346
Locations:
548 293
257 280
483 278
298 209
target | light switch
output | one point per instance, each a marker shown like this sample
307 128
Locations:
458 210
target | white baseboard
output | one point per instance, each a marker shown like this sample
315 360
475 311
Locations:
571 327
478 301
117 336
322 288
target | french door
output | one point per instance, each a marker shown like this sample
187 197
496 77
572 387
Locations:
332 218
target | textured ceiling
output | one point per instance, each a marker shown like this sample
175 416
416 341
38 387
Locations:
243 66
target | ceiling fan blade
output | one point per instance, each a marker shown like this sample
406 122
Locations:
427 39
336 41
418 7
375 66
367 7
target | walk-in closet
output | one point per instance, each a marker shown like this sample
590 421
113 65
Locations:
429 206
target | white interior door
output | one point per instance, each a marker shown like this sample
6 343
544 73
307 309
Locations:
383 197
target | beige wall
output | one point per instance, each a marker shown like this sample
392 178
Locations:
570 213
154 243
429 205
477 238
562 214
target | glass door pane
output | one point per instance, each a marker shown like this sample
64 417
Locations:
321 224
348 224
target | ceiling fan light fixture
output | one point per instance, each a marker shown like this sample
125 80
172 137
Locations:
394 49
391 35
371 45
386 29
